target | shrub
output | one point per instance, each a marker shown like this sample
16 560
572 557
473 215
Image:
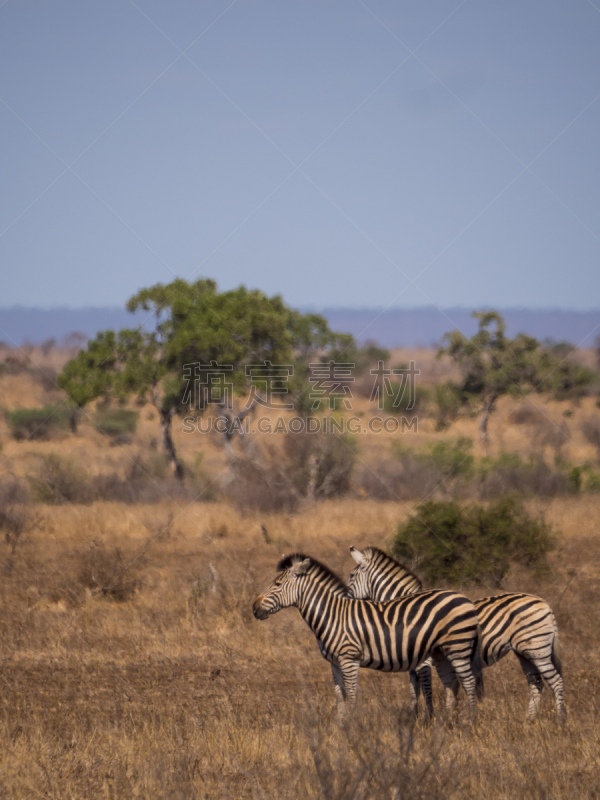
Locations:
44 376
413 475
368 356
398 401
117 423
16 517
526 414
509 473
59 480
37 423
312 466
106 572
406 477
572 381
452 457
472 544
590 428
261 488
319 464
584 479
447 404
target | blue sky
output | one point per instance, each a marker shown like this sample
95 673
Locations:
378 153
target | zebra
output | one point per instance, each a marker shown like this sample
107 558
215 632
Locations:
513 621
403 582
390 637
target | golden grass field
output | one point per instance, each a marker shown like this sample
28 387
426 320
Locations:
165 686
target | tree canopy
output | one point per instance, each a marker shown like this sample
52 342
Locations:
195 327
493 364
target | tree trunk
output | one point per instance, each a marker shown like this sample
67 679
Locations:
167 440
73 418
487 410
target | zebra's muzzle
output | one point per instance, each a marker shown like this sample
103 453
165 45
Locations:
258 610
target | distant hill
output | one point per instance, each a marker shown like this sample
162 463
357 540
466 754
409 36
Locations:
395 327
409 327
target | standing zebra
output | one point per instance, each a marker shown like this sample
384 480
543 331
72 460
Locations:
522 623
394 637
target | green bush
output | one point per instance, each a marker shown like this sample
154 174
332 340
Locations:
448 458
584 479
37 423
117 423
472 544
453 457
402 398
447 404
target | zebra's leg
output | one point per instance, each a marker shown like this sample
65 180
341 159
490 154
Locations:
536 684
535 671
415 691
461 667
424 678
338 686
447 675
350 677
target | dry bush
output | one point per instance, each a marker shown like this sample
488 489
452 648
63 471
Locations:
509 473
556 437
402 478
107 572
45 377
542 430
16 514
319 464
312 466
445 466
257 486
526 414
60 480
590 428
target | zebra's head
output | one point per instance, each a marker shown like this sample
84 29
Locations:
358 583
284 591
296 573
378 576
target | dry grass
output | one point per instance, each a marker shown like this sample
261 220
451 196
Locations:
172 689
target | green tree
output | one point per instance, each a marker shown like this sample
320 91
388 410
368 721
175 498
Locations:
492 364
90 374
196 326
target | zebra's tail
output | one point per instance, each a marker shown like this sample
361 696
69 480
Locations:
477 666
556 659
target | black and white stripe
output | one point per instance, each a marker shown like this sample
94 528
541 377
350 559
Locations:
392 637
519 622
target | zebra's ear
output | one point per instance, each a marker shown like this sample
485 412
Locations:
357 556
301 567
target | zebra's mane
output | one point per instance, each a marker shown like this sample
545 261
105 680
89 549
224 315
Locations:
383 555
296 558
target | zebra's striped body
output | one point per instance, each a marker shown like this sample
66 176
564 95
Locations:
387 582
522 623
394 637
